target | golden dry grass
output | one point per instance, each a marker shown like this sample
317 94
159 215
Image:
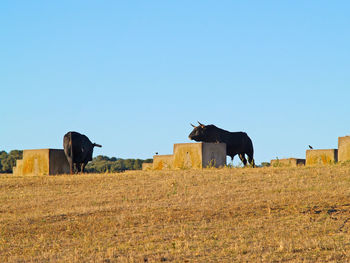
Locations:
225 215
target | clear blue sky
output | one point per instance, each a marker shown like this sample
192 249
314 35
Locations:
133 75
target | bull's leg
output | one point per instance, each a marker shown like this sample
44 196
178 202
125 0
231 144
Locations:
83 167
71 167
251 160
232 156
243 159
78 167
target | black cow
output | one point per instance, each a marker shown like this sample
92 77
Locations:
236 142
78 150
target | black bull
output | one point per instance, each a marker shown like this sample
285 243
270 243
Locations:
236 142
78 150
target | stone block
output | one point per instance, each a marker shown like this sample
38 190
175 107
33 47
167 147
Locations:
344 149
58 163
42 162
161 162
321 157
18 168
199 155
147 166
288 162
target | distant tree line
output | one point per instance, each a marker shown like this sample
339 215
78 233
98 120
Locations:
8 160
99 164
102 164
265 164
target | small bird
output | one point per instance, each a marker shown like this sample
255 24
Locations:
310 147
156 153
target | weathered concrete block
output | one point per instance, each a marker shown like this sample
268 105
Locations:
161 162
199 155
192 155
289 162
344 149
42 162
147 166
321 157
18 168
58 163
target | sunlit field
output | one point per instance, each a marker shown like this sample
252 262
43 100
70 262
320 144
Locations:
211 215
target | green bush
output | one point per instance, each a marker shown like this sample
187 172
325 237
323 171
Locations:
8 160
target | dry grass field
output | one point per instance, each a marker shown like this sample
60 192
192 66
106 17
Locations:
211 215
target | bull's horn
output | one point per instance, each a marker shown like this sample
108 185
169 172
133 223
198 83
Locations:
97 145
200 124
193 125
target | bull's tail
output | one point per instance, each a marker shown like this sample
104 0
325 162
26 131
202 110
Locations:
96 145
251 158
71 145
71 164
251 152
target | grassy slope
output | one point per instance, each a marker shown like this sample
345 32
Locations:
266 214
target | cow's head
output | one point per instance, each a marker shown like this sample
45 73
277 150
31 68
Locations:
199 133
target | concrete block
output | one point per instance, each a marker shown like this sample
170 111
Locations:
289 162
321 157
58 163
161 162
18 168
199 155
344 149
147 166
42 162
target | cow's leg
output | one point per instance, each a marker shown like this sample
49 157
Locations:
243 159
251 160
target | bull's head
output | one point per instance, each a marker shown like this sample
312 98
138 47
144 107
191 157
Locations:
199 132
